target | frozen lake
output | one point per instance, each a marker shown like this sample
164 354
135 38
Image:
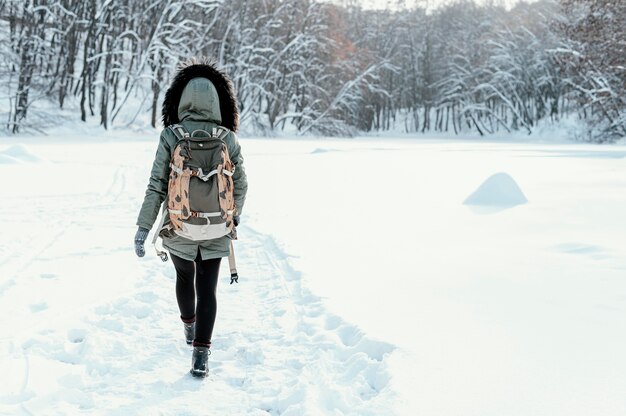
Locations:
368 286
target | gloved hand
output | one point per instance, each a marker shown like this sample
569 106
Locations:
140 238
236 220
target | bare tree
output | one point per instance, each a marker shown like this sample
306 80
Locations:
327 68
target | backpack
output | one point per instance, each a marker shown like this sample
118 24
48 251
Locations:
200 202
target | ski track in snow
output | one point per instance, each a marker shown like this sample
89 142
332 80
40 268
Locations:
87 328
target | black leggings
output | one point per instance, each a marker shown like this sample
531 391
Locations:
206 273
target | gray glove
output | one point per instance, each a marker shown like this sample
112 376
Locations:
236 220
140 238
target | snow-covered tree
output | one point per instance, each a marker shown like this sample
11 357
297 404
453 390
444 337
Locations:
329 68
593 63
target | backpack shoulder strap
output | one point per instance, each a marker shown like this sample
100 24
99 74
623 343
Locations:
179 131
220 132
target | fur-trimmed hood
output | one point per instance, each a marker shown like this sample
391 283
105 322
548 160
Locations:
202 106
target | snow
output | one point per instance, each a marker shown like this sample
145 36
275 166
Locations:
18 154
366 285
499 190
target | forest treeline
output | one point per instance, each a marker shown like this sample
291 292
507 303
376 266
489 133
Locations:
325 68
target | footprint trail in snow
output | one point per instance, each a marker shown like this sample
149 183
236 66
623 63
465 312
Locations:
95 330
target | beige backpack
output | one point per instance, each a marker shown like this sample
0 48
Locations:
200 202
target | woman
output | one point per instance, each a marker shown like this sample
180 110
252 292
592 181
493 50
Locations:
200 98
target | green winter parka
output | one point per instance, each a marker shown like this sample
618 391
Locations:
200 97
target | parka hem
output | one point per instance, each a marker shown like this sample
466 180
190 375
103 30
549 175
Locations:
205 254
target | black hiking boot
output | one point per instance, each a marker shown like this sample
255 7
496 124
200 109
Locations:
200 362
190 332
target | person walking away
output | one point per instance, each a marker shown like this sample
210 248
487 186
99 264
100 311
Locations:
199 177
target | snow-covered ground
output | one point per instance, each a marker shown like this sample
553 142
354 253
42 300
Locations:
378 277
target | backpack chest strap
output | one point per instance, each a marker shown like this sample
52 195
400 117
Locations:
197 214
199 173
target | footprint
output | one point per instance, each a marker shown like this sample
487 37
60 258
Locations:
376 350
127 308
140 312
578 248
76 336
279 312
111 325
377 377
353 339
332 322
147 297
103 310
314 310
48 276
350 335
38 307
593 251
250 357
76 397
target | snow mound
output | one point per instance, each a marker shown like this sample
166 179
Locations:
18 154
7 160
499 190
